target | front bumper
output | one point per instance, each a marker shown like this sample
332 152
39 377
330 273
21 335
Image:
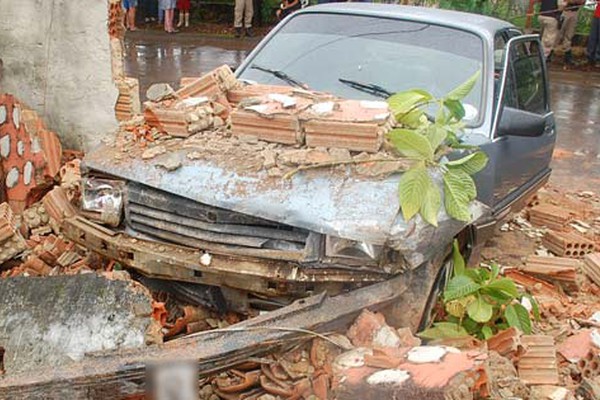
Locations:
263 277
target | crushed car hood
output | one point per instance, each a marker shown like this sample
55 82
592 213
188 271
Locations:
333 203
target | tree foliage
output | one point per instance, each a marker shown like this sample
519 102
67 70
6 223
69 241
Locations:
479 302
428 140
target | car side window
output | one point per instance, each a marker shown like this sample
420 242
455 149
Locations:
525 85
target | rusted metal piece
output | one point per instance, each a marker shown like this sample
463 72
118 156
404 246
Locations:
268 277
117 375
241 382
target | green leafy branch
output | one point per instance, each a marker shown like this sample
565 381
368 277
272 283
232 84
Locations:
479 302
428 140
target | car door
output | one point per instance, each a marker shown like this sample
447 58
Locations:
523 133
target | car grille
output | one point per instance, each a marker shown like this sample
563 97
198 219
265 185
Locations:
189 223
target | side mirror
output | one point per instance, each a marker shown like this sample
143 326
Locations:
515 122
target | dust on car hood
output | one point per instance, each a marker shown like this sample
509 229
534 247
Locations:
325 201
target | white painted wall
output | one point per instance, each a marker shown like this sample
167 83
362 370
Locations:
56 58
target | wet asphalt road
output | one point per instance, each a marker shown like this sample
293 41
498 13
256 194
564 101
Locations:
156 57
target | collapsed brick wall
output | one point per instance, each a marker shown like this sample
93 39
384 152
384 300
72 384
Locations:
30 155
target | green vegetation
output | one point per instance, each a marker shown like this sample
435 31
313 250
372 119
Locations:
478 302
514 11
427 140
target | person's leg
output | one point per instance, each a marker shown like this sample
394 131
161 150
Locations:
125 5
549 27
592 47
187 19
132 9
238 17
249 15
181 13
161 12
567 33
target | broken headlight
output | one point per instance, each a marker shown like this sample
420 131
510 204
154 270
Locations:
346 248
102 200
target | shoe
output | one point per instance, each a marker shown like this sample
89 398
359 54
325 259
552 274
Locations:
249 32
238 32
569 58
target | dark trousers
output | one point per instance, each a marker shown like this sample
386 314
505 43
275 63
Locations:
593 47
148 8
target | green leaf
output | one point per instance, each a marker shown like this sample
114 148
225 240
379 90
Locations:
457 308
517 316
480 310
412 190
431 203
459 190
487 332
457 111
535 308
495 270
471 164
504 285
457 259
460 286
464 89
405 106
471 326
411 144
436 134
444 330
403 102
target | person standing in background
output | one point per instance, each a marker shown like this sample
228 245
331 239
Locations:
548 19
593 47
244 11
148 9
169 8
129 6
184 7
570 17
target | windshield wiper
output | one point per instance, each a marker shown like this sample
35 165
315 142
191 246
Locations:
369 88
281 75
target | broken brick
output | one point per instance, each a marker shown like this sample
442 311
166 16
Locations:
570 245
538 365
589 365
270 120
236 95
550 216
8 223
446 375
591 267
212 85
57 205
31 155
563 271
577 346
371 330
350 124
128 102
507 343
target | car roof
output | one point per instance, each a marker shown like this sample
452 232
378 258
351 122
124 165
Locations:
480 24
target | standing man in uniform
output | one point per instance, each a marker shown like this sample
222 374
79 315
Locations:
244 11
570 17
548 19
